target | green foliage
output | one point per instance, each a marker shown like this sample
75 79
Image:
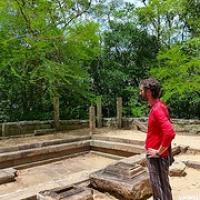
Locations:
179 71
79 50
138 108
43 54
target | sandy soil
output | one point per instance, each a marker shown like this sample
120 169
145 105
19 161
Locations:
188 187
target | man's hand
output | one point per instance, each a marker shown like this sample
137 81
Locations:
153 153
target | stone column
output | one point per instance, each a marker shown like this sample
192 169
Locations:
99 112
56 112
119 112
92 121
4 129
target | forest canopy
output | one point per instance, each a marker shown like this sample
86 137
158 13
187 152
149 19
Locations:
78 50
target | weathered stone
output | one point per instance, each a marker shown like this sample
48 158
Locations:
44 131
7 175
66 193
129 182
137 159
184 148
115 139
28 127
15 158
110 122
177 169
192 164
56 112
99 112
73 124
140 125
119 112
134 149
92 120
42 144
176 150
124 170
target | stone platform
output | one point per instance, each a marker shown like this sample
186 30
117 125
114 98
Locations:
124 180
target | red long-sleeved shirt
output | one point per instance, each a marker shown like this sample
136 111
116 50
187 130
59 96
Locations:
160 129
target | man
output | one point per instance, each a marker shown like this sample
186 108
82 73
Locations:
158 140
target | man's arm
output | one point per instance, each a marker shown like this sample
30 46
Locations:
153 153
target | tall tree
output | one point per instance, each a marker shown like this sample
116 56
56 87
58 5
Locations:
126 55
45 49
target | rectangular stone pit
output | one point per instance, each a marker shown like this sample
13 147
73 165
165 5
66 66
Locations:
66 193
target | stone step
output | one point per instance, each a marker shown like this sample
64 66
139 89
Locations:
10 159
121 140
117 147
41 144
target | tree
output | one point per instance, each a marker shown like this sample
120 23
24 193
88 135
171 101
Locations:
162 18
45 50
179 71
126 55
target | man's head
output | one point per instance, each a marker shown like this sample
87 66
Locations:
149 88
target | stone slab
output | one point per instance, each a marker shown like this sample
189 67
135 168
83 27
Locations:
177 169
7 175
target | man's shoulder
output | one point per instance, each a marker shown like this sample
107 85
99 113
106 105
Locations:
160 108
161 111
160 105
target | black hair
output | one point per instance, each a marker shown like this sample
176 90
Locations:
153 85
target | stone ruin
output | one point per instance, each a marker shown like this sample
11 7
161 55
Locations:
124 180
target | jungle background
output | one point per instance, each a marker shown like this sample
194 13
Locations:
80 50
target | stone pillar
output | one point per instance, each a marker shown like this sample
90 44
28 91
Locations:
3 130
99 112
56 112
119 112
92 121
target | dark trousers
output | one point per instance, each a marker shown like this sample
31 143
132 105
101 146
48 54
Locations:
159 179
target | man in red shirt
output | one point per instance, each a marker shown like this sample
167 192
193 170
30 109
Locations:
158 140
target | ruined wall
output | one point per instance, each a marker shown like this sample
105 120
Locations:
187 126
181 125
28 127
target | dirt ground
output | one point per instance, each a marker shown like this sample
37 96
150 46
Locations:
183 188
